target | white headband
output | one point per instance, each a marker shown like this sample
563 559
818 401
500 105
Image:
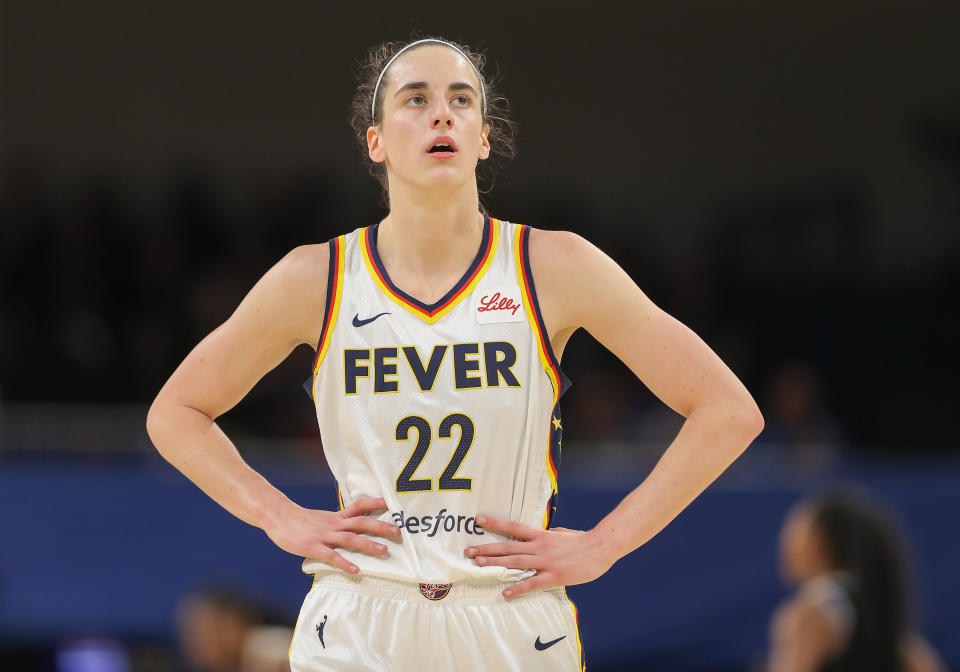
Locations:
483 93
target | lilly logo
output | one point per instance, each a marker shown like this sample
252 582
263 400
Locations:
499 304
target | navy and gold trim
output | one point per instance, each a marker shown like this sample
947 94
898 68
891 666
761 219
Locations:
553 463
331 306
561 383
434 311
551 365
576 620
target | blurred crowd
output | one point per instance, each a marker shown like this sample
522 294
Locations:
218 629
844 557
222 630
103 295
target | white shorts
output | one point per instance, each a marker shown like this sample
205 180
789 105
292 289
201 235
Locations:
363 623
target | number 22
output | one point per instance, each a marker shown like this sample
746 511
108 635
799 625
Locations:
448 480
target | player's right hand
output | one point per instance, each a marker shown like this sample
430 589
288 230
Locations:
314 534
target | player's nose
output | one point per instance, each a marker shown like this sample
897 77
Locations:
442 114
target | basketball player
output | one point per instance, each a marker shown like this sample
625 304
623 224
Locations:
439 333
852 607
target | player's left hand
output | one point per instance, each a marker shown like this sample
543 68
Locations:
562 557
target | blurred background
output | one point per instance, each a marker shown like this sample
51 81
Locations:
784 178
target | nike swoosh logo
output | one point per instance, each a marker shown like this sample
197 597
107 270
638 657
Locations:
546 645
357 322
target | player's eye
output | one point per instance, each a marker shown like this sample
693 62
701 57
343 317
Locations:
462 100
416 99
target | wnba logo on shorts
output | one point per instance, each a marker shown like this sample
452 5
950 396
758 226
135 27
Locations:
435 591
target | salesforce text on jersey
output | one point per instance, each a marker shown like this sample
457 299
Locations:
430 525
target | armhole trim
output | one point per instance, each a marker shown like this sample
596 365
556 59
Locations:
521 247
332 307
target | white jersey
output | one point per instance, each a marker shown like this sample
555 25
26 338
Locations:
446 411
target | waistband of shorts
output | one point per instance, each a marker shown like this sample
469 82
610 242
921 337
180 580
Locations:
475 592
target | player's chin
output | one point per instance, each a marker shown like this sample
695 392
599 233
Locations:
447 175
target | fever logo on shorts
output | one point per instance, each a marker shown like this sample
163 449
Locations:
435 591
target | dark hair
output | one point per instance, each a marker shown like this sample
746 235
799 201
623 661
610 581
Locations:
503 130
862 537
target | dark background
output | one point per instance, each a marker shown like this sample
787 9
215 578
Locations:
782 177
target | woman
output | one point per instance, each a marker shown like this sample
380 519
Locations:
439 333
850 612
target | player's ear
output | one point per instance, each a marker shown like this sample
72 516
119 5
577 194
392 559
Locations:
485 142
374 147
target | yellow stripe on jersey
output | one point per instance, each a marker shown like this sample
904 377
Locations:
333 296
576 620
297 624
528 305
541 349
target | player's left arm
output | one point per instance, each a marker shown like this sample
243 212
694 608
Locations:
580 286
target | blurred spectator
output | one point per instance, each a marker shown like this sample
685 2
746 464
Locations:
603 412
92 654
851 608
266 649
212 626
799 427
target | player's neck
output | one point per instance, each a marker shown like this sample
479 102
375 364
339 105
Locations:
430 240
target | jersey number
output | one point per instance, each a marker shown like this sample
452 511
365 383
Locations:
406 482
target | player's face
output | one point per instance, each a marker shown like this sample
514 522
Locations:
430 91
802 555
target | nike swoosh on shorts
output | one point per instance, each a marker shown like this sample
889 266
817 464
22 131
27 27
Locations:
540 646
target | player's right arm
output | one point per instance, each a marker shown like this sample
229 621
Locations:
283 309
803 637
920 656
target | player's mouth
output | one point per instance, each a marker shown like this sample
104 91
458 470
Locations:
442 147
